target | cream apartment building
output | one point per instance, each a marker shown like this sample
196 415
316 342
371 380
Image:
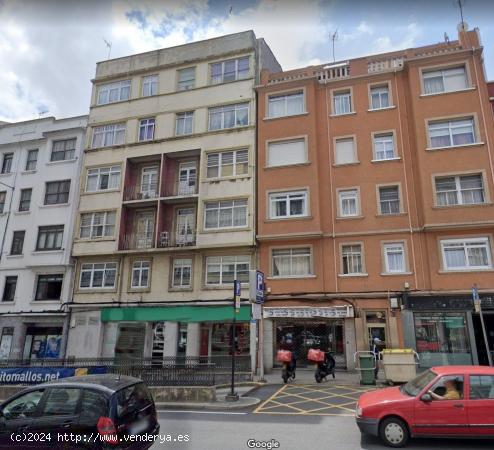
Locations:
166 216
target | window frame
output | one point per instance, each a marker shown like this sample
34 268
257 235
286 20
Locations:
174 266
66 151
146 124
305 205
336 139
358 212
122 84
179 119
342 91
275 142
445 68
9 280
223 62
383 134
236 107
104 225
22 201
374 86
3 200
17 245
151 83
99 175
29 160
114 129
400 199
458 191
48 230
92 270
449 120
385 246
220 165
7 156
362 259
467 239
219 208
272 256
58 194
247 260
181 83
48 275
141 269
285 96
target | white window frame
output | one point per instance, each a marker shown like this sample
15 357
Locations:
339 102
451 125
220 260
384 140
459 192
445 74
149 85
287 197
289 252
466 243
109 133
355 197
120 86
111 172
106 225
285 98
90 268
140 267
352 254
354 145
275 146
240 156
391 248
181 263
380 200
187 83
32 151
225 109
145 125
237 75
379 90
181 120
223 205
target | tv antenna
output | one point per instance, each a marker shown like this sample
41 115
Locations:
334 37
460 4
108 44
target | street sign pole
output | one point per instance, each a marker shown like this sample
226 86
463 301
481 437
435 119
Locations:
478 308
233 396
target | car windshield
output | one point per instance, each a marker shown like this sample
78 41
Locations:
415 386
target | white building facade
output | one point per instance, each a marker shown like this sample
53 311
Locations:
40 163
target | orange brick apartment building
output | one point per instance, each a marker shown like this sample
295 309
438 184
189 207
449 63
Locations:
375 213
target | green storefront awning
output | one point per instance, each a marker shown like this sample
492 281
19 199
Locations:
174 314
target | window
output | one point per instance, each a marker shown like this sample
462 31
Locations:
32 159
113 92
97 224
103 178
182 273
9 288
287 204
445 80
481 387
389 200
3 195
140 274
345 151
229 116
379 97
225 214
149 85
184 123
50 238
466 254
146 129
186 79
24 406
291 262
459 190
342 103
352 259
284 153
394 257
63 150
384 147
94 405
61 401
7 162
451 133
98 275
226 269
228 164
17 243
286 104
49 287
57 192
349 202
231 70
25 200
108 135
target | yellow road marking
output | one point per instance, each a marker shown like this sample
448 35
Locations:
270 398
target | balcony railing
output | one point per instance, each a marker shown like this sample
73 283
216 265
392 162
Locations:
141 193
182 189
167 239
137 241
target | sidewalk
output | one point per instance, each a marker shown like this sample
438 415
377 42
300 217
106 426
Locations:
306 376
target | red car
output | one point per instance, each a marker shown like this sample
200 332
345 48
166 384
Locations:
447 401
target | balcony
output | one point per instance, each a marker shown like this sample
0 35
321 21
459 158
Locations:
171 240
181 189
137 241
147 192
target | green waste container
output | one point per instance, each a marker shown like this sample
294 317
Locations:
365 363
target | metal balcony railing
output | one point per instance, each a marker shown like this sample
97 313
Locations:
182 189
137 241
167 239
141 193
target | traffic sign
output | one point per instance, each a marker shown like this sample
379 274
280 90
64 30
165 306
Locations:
256 286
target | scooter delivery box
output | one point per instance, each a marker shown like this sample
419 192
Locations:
284 356
315 355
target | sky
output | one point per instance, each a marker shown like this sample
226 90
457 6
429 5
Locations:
49 48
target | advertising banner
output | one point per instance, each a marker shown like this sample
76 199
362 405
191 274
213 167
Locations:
35 375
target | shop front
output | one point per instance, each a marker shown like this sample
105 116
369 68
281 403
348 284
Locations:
441 330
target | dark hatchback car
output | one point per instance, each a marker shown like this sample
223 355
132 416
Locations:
86 412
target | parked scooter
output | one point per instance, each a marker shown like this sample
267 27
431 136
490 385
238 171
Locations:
289 364
325 367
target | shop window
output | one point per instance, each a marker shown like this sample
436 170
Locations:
221 339
130 341
442 338
6 342
182 340
42 343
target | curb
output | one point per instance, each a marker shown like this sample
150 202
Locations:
243 402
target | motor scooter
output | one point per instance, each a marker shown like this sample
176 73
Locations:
288 371
325 368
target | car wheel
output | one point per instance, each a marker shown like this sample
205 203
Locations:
394 432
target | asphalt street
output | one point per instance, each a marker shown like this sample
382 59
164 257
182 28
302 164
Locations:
292 417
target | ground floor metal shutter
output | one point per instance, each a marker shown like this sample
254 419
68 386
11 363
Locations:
130 341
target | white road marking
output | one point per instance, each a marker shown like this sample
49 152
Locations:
200 412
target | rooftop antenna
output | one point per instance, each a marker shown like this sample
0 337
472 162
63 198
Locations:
334 37
460 4
42 113
108 44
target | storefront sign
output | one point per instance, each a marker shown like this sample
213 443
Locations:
309 313
35 375
439 303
